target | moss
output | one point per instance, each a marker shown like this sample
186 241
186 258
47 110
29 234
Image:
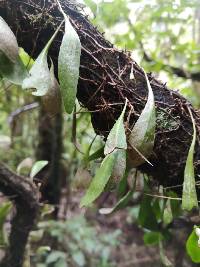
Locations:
166 121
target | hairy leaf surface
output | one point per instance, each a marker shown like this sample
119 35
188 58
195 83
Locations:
68 64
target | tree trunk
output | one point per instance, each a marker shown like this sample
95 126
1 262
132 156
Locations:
105 83
50 148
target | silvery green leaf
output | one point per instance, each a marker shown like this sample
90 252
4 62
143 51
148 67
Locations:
118 169
69 64
189 195
8 42
142 135
100 180
40 76
117 136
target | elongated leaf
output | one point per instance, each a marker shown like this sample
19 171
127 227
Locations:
97 154
146 217
189 195
25 58
13 72
40 76
68 64
120 165
52 99
118 169
8 42
37 167
117 136
167 215
100 180
120 204
143 133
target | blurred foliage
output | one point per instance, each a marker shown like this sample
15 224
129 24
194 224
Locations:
160 34
167 31
78 244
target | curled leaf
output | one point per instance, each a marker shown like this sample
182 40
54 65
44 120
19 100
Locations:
142 135
68 64
117 136
40 76
100 180
37 167
189 195
8 42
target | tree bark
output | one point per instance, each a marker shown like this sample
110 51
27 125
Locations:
105 83
24 195
50 146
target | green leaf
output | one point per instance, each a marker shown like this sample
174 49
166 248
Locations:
100 180
14 72
152 238
25 58
52 99
167 214
69 64
40 75
118 169
175 205
25 166
37 167
117 136
189 195
142 135
79 258
147 218
122 203
120 166
8 42
54 256
97 154
192 247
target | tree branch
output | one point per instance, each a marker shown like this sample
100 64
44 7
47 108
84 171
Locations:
194 76
24 195
105 83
